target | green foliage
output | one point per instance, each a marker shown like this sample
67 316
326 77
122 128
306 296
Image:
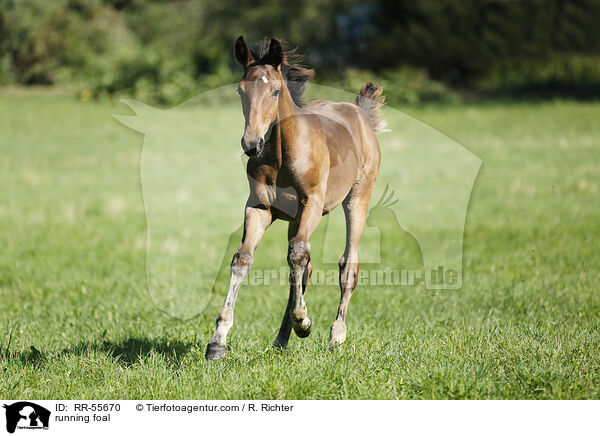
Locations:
30 46
460 41
575 75
44 42
144 75
401 86
164 52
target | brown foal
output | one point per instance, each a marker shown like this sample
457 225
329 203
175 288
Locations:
305 159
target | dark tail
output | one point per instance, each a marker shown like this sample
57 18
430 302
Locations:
370 100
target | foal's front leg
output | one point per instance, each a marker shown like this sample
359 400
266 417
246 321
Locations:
255 223
298 260
286 324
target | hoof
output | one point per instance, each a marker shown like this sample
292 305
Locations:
337 335
215 351
279 344
304 328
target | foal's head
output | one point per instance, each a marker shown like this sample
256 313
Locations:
259 89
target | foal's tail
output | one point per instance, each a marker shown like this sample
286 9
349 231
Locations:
370 100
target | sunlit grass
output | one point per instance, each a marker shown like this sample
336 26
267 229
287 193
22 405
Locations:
76 320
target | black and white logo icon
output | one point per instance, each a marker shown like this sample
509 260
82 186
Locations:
26 415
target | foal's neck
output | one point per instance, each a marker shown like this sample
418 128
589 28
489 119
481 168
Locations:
287 112
286 106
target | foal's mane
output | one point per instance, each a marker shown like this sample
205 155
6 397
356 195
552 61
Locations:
294 73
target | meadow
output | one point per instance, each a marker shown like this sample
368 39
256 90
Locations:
77 321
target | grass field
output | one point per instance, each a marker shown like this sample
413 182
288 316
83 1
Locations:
76 320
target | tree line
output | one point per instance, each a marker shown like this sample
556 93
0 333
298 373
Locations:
164 50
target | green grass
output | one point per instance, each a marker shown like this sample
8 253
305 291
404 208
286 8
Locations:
75 307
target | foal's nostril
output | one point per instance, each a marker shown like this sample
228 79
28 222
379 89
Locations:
249 150
252 148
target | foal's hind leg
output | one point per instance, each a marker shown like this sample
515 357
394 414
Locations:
256 221
286 324
355 209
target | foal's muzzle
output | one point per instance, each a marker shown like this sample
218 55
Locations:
253 148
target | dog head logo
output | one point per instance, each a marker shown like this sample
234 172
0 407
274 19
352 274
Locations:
26 415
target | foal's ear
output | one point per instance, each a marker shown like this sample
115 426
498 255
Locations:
275 55
242 53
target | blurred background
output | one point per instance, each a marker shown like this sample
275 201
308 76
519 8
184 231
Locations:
165 52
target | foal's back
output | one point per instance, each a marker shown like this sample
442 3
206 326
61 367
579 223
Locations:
354 153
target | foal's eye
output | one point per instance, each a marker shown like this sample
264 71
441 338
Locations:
275 93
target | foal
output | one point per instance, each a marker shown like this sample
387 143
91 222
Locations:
305 159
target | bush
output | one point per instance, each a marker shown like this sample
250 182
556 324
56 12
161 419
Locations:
31 46
45 42
163 52
401 86
149 77
574 74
